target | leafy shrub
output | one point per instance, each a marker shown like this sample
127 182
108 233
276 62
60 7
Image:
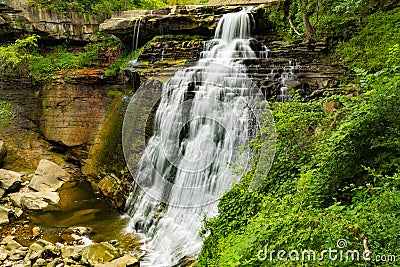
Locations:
23 57
15 58
6 113
107 7
369 48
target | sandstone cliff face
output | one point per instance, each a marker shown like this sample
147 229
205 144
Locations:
18 17
22 138
191 19
62 120
74 105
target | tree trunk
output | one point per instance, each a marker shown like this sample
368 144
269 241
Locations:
310 31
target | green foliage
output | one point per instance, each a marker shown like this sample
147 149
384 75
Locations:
15 58
369 49
6 113
335 176
332 20
122 61
107 7
24 58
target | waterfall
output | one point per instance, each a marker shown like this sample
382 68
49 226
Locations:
203 117
135 36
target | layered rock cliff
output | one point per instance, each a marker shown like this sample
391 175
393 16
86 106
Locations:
19 17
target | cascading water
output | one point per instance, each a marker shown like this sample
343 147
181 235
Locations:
203 116
136 32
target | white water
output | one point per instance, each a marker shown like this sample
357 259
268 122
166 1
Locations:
202 118
136 32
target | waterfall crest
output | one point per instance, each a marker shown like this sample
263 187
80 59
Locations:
203 117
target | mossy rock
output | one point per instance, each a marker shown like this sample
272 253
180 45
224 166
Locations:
99 253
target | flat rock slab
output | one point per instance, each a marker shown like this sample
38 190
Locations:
48 177
99 254
127 260
9 180
4 215
35 200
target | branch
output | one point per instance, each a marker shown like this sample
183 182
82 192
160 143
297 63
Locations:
317 15
293 28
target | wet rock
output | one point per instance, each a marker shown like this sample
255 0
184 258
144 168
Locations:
37 249
99 253
71 238
293 84
17 212
9 180
73 252
111 187
6 239
40 262
33 203
7 211
79 230
76 235
3 151
13 245
48 177
56 263
35 200
35 231
4 212
17 254
127 260
3 255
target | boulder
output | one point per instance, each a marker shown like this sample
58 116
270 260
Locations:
40 262
77 235
35 200
35 231
12 244
4 212
3 254
48 177
17 254
125 261
9 180
112 187
35 251
73 252
32 203
6 239
39 247
3 151
99 253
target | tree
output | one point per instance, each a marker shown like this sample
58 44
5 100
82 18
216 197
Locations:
309 29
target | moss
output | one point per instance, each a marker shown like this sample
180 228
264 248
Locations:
114 93
106 152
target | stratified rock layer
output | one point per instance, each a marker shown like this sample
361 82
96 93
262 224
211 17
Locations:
19 16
